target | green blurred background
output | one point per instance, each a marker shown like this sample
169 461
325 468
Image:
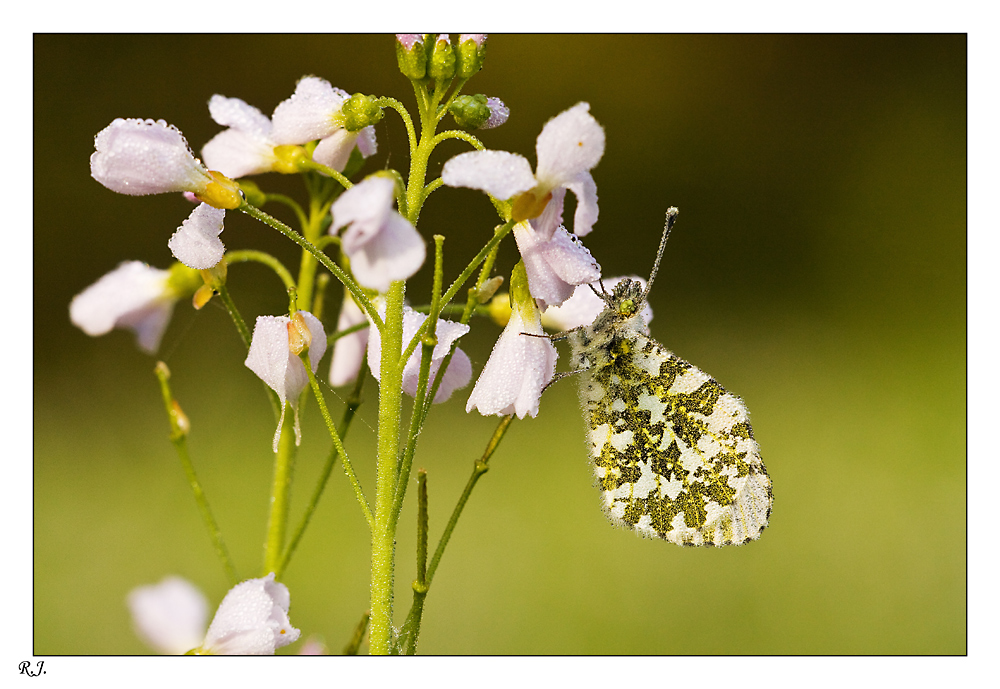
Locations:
817 270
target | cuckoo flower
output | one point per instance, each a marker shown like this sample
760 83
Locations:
382 245
521 365
555 266
134 296
314 112
139 157
272 359
170 616
196 242
251 620
584 306
456 376
349 350
246 148
569 146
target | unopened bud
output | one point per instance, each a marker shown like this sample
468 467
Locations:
411 54
299 335
471 53
442 62
498 113
489 288
202 296
358 112
181 420
470 112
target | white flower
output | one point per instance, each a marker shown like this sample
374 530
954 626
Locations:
272 360
170 616
459 371
251 620
312 113
569 146
382 245
246 148
519 368
196 242
140 157
555 265
349 350
133 296
584 306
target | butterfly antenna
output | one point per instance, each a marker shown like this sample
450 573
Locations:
672 213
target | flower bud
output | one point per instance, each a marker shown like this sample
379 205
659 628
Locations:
411 54
471 53
442 62
470 112
358 112
299 336
489 288
498 113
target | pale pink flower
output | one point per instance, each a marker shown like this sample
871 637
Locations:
349 350
272 360
456 376
519 368
246 148
169 616
134 296
569 146
555 265
251 620
196 242
312 113
382 245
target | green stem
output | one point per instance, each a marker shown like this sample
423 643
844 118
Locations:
284 463
234 313
337 271
244 255
353 402
383 539
411 627
178 436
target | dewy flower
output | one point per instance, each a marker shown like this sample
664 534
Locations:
456 376
196 242
382 245
569 146
584 306
349 350
521 365
133 296
246 148
271 358
170 616
139 157
555 266
251 620
314 112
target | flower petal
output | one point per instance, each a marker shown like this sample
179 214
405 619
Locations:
252 620
555 266
585 190
139 157
499 173
349 350
365 207
307 114
169 616
519 368
134 296
570 143
334 150
196 242
238 114
237 154
395 253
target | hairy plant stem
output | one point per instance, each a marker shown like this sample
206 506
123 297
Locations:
281 489
178 436
389 412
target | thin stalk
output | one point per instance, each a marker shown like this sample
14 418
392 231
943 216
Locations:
383 540
420 588
337 271
281 488
244 255
234 313
178 436
353 402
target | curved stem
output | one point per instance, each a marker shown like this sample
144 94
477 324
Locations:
459 134
247 255
404 114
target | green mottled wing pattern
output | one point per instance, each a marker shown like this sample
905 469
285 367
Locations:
673 451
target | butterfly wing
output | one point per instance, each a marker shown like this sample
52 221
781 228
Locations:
673 451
